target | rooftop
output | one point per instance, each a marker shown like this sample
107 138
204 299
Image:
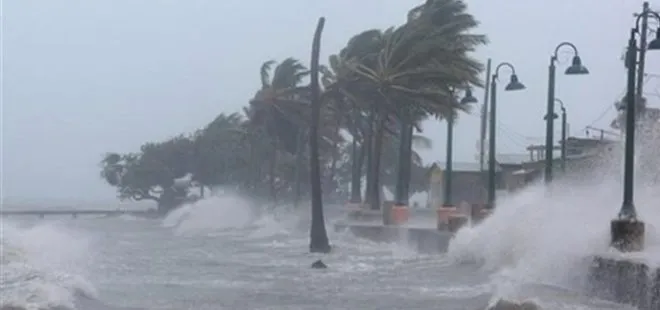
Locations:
463 166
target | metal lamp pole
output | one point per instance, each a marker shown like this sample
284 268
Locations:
563 135
513 85
448 202
563 132
575 68
627 232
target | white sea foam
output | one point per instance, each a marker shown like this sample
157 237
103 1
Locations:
42 266
229 213
549 234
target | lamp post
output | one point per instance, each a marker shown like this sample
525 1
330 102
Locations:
563 135
627 232
514 84
563 132
576 68
448 202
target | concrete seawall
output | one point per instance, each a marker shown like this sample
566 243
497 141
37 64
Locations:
630 281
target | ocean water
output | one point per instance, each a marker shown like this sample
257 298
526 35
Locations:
222 253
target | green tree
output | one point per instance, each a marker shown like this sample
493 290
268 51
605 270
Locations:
152 174
219 152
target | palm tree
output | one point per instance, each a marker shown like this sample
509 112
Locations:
319 242
278 109
414 67
349 101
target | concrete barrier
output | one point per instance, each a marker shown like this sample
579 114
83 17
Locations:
363 212
456 222
423 240
479 212
443 213
381 225
625 280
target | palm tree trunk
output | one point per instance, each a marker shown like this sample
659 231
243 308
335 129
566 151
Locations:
356 171
331 186
299 157
403 165
408 162
374 197
255 170
368 144
272 178
318 236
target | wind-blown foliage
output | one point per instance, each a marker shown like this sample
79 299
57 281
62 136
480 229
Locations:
375 92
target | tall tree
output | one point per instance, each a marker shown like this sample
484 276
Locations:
279 109
416 65
318 242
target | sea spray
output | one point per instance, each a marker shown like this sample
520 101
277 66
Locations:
43 266
210 214
227 212
537 236
540 237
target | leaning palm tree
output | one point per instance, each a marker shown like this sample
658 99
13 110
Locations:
415 66
343 95
278 108
318 235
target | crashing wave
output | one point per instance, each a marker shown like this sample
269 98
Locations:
26 282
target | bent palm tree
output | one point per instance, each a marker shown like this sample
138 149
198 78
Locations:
318 235
414 68
278 108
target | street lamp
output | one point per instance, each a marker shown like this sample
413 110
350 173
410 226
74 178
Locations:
576 68
468 98
627 232
563 132
563 135
655 44
514 84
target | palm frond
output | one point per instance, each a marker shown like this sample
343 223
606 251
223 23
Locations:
264 73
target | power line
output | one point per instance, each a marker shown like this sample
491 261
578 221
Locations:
600 116
508 134
647 78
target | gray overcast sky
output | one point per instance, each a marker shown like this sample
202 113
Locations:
85 77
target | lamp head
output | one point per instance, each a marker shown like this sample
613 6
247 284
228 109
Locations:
468 98
655 43
577 67
514 84
554 116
